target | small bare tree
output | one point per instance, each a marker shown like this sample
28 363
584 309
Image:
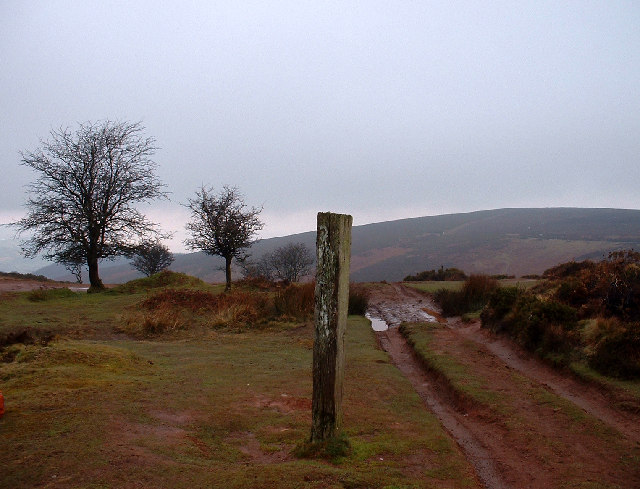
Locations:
291 262
288 263
222 224
81 206
75 268
261 268
150 258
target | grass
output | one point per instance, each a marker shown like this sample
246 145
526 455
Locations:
433 286
468 388
77 315
211 407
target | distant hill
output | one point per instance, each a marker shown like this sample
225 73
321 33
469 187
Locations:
502 241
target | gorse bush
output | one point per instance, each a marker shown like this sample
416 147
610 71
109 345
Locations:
618 353
584 311
607 288
546 327
472 297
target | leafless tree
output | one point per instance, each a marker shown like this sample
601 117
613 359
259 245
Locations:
81 206
261 268
74 266
291 262
150 258
222 224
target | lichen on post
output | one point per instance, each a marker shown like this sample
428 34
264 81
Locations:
333 247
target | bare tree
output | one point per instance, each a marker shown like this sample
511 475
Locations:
291 261
81 206
74 266
222 224
151 258
261 268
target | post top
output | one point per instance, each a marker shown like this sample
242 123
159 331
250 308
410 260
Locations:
334 216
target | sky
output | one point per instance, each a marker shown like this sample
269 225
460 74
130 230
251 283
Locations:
379 109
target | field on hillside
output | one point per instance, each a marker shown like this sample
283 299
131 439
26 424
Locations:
432 286
90 406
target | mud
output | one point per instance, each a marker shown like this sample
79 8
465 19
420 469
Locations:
546 448
402 355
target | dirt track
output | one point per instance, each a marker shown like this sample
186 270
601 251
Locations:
8 284
532 443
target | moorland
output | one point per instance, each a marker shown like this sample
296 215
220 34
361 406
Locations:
168 381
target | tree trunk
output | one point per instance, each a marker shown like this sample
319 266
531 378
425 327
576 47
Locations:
96 284
227 271
331 305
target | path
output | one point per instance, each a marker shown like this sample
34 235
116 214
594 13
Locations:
534 443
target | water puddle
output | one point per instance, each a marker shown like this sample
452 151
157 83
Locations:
376 323
79 289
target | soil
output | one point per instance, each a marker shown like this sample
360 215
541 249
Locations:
586 440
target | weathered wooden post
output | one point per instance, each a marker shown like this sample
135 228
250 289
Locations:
333 248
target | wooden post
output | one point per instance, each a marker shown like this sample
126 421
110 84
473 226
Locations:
333 248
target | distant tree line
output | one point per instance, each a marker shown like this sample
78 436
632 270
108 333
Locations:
439 275
26 276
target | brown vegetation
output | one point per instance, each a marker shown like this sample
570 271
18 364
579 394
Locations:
584 310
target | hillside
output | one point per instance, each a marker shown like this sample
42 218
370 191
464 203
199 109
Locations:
505 241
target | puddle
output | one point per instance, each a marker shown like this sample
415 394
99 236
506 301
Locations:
377 324
79 289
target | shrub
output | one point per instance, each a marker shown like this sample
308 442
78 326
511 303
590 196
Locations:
499 305
473 296
477 290
358 299
568 269
547 327
165 278
450 274
608 288
618 354
174 309
38 295
605 294
295 301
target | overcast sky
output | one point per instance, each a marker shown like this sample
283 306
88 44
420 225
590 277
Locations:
383 110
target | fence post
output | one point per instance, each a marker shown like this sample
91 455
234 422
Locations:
333 248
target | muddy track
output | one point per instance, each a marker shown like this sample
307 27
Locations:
501 455
589 398
403 357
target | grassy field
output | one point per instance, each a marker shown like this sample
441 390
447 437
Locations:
200 407
434 286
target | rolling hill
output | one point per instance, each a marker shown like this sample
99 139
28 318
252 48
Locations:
502 241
